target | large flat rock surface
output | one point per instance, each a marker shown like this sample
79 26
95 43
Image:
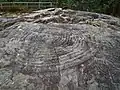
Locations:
57 49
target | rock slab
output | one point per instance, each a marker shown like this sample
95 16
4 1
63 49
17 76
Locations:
61 50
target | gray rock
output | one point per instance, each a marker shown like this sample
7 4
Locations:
81 52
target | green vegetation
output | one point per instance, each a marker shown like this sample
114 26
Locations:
111 7
25 0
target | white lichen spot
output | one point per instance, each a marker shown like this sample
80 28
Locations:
25 81
20 30
19 27
12 82
18 54
82 65
26 63
118 32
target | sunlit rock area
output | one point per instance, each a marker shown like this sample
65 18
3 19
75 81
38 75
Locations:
57 49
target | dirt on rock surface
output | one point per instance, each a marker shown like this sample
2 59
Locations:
56 49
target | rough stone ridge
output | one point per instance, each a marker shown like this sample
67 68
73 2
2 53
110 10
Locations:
55 49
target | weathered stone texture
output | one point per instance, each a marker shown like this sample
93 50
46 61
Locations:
57 49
